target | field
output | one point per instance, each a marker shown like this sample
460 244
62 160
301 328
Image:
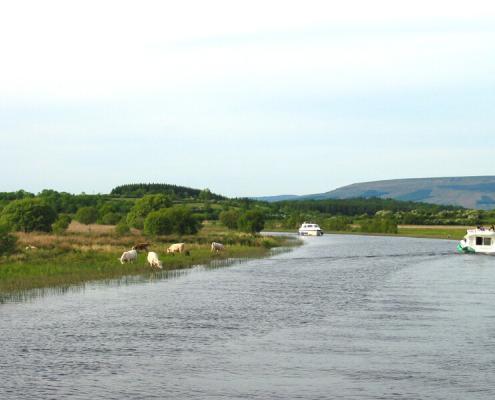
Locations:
455 232
45 260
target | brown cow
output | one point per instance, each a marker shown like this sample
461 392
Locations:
141 246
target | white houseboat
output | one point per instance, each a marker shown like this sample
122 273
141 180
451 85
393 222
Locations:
479 240
309 229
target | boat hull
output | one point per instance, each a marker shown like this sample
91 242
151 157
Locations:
465 249
310 233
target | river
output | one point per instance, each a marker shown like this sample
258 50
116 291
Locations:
342 317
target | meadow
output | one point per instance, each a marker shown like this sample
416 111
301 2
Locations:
86 253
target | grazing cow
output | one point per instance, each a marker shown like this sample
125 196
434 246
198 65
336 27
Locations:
141 246
128 256
176 248
153 260
217 247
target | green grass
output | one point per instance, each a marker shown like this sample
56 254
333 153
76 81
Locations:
433 232
62 267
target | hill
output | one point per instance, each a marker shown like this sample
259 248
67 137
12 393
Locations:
175 191
477 192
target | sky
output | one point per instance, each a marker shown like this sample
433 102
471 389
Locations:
246 98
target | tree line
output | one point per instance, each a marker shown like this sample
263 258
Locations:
161 213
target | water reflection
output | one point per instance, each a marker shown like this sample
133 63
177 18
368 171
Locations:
341 317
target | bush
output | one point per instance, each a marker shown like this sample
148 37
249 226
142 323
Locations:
111 218
87 215
144 206
172 220
122 228
229 218
7 240
62 223
251 221
336 224
28 215
379 225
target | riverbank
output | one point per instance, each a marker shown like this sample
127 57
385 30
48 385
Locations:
447 232
45 260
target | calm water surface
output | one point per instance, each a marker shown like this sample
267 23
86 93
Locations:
347 317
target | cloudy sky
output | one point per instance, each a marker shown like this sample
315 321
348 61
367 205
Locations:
244 97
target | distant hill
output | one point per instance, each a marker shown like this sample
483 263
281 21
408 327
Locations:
476 192
282 197
175 191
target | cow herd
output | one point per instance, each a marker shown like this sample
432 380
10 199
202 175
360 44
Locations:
153 260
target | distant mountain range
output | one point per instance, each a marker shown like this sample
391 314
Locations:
470 191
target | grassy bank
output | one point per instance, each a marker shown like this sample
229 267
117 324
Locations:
433 231
453 232
60 260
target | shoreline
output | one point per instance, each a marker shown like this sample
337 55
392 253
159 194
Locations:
447 232
58 266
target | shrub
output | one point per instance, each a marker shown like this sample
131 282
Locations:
7 240
172 220
62 223
28 215
111 218
122 228
251 221
378 225
87 215
229 218
337 223
144 206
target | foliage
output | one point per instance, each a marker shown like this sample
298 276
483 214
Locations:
337 223
171 220
251 221
358 206
87 215
229 218
111 218
28 214
122 228
7 240
173 191
378 225
62 223
205 194
144 206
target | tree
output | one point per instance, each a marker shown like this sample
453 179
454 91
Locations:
144 206
205 194
172 220
229 218
251 221
111 218
87 215
62 223
337 223
28 214
7 240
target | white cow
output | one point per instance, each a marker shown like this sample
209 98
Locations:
153 260
176 248
128 256
217 247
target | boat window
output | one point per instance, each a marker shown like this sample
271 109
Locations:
479 240
487 242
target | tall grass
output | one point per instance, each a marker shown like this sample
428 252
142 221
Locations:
74 258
